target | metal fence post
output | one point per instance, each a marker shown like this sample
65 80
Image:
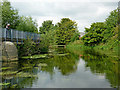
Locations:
11 34
22 37
5 33
17 36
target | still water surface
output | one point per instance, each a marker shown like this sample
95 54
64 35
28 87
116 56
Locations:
85 69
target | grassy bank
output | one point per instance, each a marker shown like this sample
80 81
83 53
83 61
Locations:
77 47
110 48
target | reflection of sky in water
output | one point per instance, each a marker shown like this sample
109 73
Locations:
82 78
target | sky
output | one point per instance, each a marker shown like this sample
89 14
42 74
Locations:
84 12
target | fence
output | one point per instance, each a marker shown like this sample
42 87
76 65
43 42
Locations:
18 35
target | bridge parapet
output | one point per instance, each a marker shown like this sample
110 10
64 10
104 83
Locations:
18 35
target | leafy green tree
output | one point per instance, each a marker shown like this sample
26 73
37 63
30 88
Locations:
27 24
111 23
94 34
9 15
46 26
75 37
47 39
66 28
112 20
48 35
101 32
26 49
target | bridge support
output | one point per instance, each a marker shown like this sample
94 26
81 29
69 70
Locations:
9 51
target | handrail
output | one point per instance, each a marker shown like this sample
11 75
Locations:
18 35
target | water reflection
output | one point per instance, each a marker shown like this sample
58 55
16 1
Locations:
15 76
102 64
86 69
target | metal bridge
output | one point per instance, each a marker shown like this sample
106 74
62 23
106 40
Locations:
18 36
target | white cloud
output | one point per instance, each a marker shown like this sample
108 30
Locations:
102 10
84 12
44 18
64 0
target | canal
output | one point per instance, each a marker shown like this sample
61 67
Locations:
62 69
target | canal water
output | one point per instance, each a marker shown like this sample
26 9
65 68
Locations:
63 69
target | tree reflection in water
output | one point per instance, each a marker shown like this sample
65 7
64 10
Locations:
24 72
102 64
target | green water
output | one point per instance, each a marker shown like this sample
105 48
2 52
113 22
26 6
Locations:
62 69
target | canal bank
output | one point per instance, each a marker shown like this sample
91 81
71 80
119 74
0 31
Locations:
104 49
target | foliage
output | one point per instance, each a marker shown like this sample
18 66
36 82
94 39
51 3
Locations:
47 39
27 24
94 34
98 62
111 23
0 14
27 49
111 46
46 26
112 20
48 35
66 28
75 37
30 47
9 15
101 32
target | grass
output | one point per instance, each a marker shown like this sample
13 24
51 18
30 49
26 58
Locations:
110 48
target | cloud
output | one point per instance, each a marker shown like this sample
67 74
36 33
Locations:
84 12
64 0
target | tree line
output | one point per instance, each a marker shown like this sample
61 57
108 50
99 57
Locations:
61 33
64 31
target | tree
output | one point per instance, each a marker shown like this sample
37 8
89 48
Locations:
46 26
101 32
112 20
111 23
47 39
27 24
9 15
75 37
94 34
66 28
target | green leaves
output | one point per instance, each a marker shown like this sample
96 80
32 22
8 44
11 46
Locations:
66 28
94 36
9 15
27 24
46 26
101 31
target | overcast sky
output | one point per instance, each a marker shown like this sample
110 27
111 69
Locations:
84 12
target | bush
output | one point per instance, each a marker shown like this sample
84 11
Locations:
75 37
26 49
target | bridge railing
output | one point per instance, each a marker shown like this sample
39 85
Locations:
19 35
